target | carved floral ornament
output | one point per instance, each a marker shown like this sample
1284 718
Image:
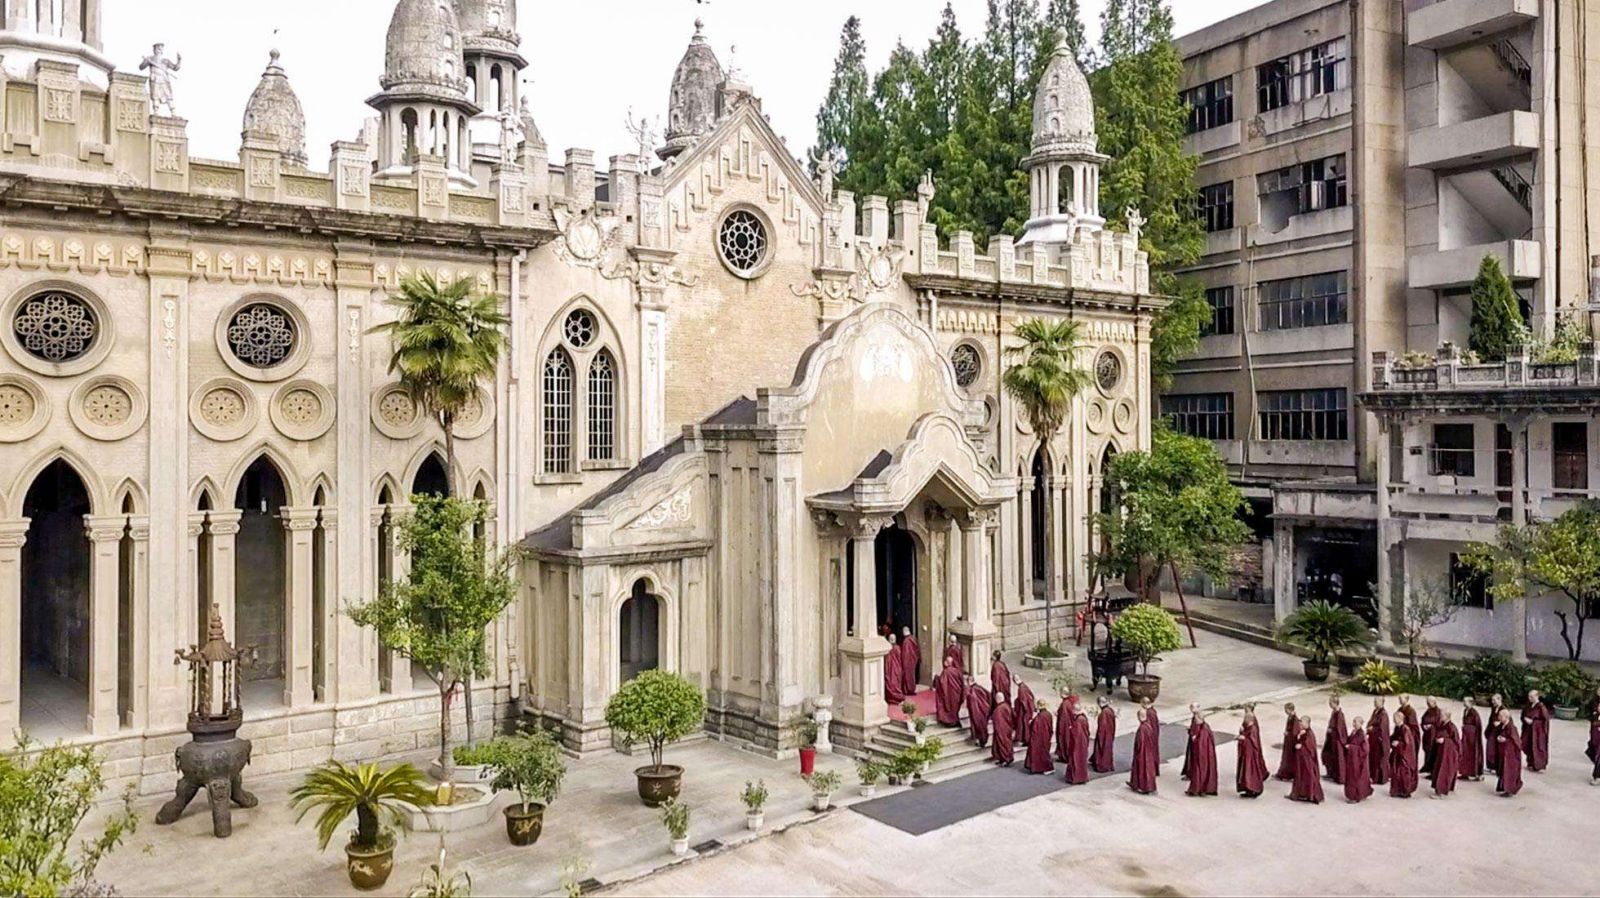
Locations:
651 274
674 511
584 238
879 268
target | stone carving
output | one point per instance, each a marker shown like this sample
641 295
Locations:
55 327
17 406
644 132
222 407
168 158
673 511
827 168
163 72
1136 222
584 238
398 409
131 115
925 194
58 105
965 361
835 289
301 407
107 405
1108 371
169 325
433 192
879 268
887 361
354 332
261 335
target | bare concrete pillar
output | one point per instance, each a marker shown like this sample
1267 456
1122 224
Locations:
1519 518
1385 526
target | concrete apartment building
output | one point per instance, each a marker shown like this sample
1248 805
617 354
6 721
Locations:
1358 161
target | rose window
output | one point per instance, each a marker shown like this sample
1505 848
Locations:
964 359
579 329
261 335
1108 371
743 242
55 327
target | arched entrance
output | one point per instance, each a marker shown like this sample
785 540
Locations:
896 560
431 477
260 567
55 605
638 633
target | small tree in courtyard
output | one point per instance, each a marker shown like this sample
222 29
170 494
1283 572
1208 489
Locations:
656 707
436 615
1044 379
1147 631
1497 323
45 794
1560 556
1429 605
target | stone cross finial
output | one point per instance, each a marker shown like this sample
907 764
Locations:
163 72
1136 222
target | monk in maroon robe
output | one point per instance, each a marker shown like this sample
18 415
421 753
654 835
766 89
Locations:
1491 734
1307 774
1146 756
1251 773
1447 756
952 653
1023 710
1593 750
1536 733
1188 747
1509 753
893 675
1408 717
1150 712
1203 757
1402 763
1003 751
1077 749
948 692
1291 730
1334 740
1430 739
1065 712
1105 738
1357 772
999 679
910 661
1471 742
978 709
1378 743
1040 730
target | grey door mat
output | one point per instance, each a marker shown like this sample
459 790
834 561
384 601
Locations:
937 805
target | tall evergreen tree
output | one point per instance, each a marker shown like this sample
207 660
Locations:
1497 323
848 102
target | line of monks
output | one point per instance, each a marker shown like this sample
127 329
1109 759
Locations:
1356 756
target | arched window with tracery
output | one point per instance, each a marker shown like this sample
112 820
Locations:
557 413
602 407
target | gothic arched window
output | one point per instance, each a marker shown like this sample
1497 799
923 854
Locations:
602 408
557 413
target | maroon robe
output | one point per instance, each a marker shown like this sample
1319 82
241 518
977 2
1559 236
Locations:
1402 763
1357 772
1251 774
1378 747
1471 744
1491 740
1286 759
953 652
1146 759
1188 751
1593 749
1536 736
978 703
1000 681
1003 750
1039 732
1408 717
1105 741
1307 775
947 697
1510 762
1066 712
1024 709
893 677
1430 739
1203 760
1077 750
910 663
1446 757
1333 746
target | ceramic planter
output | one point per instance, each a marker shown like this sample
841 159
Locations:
524 823
658 785
869 789
808 760
1144 686
1317 671
754 819
1563 712
369 868
820 802
680 847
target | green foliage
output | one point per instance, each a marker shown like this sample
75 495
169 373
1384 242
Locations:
675 817
472 755
1046 650
45 794
439 882
754 795
824 782
869 771
1147 631
1497 323
807 730
1324 629
929 751
1565 683
842 118
1563 347
1175 332
1378 678
1044 375
908 708
1480 676
529 763
1063 681
336 790
1559 556
658 707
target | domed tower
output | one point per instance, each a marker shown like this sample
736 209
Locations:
64 32
425 105
1064 167
692 107
493 66
273 115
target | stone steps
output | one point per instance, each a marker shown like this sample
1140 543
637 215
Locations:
960 755
1244 632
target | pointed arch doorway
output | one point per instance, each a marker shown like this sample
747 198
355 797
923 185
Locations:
56 605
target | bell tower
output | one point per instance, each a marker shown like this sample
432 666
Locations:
1064 167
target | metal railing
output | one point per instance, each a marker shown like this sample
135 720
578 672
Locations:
1515 184
1513 61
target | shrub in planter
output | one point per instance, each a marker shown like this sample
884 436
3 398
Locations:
1378 678
657 707
1146 631
377 797
823 784
903 765
754 797
1482 675
531 765
868 772
1323 629
925 754
1566 686
675 817
808 731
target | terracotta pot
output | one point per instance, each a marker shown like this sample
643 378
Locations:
369 868
808 760
656 786
1143 686
524 823
1317 671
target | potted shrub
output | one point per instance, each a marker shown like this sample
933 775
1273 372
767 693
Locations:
1323 629
472 765
1566 687
903 765
909 709
754 797
868 772
658 707
823 784
926 753
675 815
808 746
919 727
377 797
1146 631
531 765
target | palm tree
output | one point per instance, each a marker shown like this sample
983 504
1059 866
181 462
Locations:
1044 379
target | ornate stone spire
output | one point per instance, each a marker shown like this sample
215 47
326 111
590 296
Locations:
274 113
692 106
1063 107
423 51
488 24
1064 167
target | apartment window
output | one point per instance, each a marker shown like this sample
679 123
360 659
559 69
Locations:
1210 104
1469 587
1301 76
1453 451
1305 414
1301 188
1216 207
1205 415
1569 445
1220 299
1311 301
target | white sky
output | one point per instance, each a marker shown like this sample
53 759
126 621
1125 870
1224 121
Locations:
589 60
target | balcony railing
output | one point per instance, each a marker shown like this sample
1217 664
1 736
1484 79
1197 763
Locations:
1513 61
1448 373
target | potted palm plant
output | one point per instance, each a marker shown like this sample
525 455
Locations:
531 765
868 772
377 797
823 784
754 797
1323 629
675 816
1146 631
657 707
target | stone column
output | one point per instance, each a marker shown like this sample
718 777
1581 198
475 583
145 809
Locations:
382 673
863 650
331 603
1025 540
105 554
1518 425
1056 530
297 625
143 666
1385 540
170 268
1283 600
352 649
12 535
223 527
976 632
188 615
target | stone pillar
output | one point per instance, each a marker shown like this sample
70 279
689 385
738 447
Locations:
1025 540
170 268
1519 518
1385 540
105 554
224 527
188 616
1055 533
651 284
353 649
297 625
1283 599
382 668
12 535
329 673
863 650
143 663
976 633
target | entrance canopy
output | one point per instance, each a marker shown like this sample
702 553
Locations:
936 462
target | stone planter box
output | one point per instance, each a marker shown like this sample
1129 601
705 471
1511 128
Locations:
464 775
1063 662
473 807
